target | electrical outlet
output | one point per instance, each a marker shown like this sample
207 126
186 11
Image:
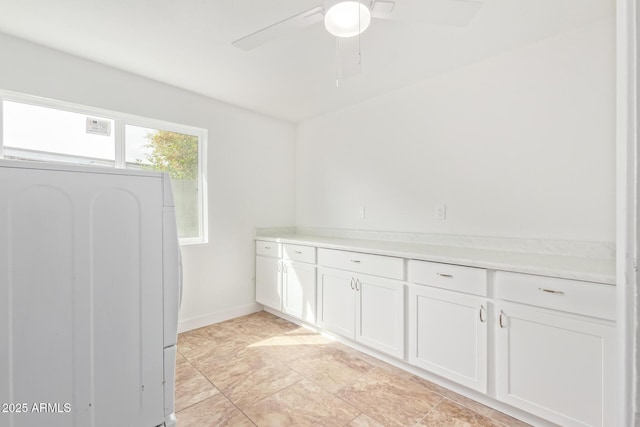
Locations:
441 212
361 212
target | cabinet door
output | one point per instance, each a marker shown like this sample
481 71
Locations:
336 301
448 335
299 291
557 366
269 282
380 314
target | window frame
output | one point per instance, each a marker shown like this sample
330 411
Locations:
120 121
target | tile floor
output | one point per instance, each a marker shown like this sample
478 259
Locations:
261 370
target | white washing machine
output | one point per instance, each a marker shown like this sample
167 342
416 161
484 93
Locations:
89 295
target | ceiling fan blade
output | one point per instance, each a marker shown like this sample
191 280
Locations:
382 9
279 29
349 58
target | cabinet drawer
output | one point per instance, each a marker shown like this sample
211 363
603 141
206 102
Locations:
589 299
375 265
454 277
299 253
268 248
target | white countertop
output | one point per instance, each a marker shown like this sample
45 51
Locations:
563 266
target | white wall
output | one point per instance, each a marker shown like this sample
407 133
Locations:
521 145
250 164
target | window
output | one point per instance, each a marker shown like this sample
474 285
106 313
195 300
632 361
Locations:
53 131
155 149
38 133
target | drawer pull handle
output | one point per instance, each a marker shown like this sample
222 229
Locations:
501 319
297 252
551 291
482 318
445 275
267 247
357 282
357 261
352 284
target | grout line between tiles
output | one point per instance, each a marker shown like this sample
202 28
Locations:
208 380
223 394
356 417
241 411
431 409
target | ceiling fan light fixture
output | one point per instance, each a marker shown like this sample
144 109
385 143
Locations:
346 18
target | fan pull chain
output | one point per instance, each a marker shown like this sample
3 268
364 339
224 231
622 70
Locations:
359 32
339 70
337 62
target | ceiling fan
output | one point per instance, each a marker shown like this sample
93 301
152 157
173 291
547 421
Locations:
346 19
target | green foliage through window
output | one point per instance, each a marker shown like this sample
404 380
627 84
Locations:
174 153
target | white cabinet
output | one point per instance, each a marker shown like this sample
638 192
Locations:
289 284
447 325
269 274
358 262
380 314
540 344
337 302
555 364
367 309
299 290
448 335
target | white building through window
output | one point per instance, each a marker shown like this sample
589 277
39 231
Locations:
52 131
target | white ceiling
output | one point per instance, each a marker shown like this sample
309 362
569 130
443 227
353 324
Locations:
187 43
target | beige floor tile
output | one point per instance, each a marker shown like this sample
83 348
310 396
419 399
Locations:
450 414
222 341
247 389
364 420
192 346
216 411
309 337
285 348
379 363
506 419
263 324
215 333
281 374
331 369
390 399
458 398
191 386
221 370
301 404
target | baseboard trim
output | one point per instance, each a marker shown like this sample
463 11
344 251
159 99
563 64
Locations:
217 317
